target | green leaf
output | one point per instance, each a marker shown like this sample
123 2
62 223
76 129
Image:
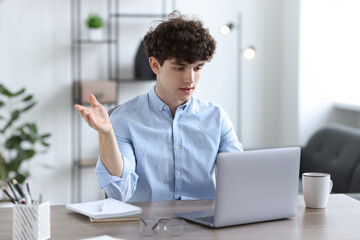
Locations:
94 21
14 116
2 160
32 127
8 93
5 91
21 177
23 155
13 142
45 135
27 133
2 103
2 164
13 165
26 154
21 130
45 144
28 107
3 169
21 91
28 98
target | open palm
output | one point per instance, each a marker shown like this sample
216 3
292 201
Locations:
96 116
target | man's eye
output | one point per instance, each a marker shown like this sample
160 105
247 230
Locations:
179 68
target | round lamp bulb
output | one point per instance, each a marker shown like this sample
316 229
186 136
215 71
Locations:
249 53
225 30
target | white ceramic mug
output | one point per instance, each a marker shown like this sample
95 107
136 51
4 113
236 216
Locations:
316 189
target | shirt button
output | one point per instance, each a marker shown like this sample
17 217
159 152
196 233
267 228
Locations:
160 109
178 173
177 147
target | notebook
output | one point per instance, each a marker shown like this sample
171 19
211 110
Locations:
106 208
130 218
253 186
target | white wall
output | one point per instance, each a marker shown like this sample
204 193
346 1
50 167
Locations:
289 86
35 52
329 71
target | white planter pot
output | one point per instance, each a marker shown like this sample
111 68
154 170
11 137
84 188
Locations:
95 34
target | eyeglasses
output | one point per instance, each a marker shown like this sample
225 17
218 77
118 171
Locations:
150 226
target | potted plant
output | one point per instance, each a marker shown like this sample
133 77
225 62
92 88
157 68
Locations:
19 142
94 23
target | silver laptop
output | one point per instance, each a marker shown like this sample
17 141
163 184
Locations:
253 186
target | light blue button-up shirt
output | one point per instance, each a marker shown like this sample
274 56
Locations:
167 158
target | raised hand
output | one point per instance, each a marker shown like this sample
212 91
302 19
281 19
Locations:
96 116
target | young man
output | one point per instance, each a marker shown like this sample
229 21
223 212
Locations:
163 145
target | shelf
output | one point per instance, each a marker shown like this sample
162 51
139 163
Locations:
87 163
104 91
139 15
133 80
119 81
88 41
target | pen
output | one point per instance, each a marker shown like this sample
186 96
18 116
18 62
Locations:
102 207
28 191
27 199
18 188
12 190
6 192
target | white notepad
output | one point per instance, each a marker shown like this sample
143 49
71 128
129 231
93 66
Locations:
112 208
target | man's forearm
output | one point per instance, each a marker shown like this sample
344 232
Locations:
110 154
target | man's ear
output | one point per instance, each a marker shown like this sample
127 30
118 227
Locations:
155 65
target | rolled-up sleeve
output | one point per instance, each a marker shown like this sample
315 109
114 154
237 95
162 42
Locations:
229 141
121 188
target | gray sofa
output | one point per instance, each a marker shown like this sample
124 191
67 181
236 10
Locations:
335 149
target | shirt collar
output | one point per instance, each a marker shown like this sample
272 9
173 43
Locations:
186 104
160 105
155 100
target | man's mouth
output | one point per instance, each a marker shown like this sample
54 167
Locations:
187 90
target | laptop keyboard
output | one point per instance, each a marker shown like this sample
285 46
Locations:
209 219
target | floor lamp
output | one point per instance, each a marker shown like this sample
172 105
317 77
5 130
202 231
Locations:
248 53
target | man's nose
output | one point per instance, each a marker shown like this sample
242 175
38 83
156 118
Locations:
189 76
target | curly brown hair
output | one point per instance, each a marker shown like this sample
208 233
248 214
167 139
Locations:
180 38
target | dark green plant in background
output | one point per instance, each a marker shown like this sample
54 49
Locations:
94 21
19 142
